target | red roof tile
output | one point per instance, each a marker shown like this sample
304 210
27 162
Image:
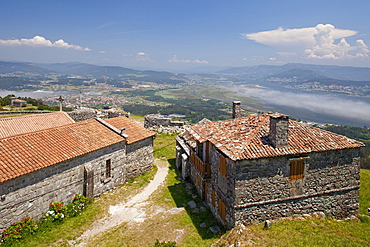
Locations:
24 124
247 138
29 152
135 131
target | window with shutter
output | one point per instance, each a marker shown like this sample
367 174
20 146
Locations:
223 168
296 169
221 210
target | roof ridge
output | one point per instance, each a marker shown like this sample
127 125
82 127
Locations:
111 127
252 135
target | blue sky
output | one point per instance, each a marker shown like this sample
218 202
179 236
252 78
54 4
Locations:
179 35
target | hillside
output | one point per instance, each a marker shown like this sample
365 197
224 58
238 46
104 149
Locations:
52 72
332 71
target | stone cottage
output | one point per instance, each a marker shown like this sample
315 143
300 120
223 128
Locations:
53 164
251 169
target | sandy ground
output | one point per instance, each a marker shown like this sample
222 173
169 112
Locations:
131 211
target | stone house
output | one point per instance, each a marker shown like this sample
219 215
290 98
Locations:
250 169
53 164
18 102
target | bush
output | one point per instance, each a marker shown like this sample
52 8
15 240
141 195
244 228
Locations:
19 230
57 211
77 205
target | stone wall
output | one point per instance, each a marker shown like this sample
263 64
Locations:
163 124
256 190
88 113
32 193
139 157
263 189
223 187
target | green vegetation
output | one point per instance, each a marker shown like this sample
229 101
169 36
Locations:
364 191
358 133
194 108
312 232
21 232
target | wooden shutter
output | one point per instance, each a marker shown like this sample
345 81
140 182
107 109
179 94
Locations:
213 198
296 169
221 210
223 165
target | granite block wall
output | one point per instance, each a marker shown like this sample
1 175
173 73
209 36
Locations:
32 193
139 157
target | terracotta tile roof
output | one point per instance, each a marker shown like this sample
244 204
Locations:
247 138
22 154
135 131
24 124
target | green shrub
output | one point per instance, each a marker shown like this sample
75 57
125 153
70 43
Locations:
57 211
164 244
19 229
78 204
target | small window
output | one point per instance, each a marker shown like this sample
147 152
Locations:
221 210
108 168
223 165
296 169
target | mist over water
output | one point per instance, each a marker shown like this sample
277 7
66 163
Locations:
311 106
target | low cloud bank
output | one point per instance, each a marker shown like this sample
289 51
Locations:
327 104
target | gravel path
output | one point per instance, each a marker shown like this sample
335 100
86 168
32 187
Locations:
132 210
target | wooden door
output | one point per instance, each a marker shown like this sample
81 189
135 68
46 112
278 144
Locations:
88 182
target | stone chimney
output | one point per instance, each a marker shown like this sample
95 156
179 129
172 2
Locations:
279 125
236 109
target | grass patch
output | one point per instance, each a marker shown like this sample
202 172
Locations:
313 232
164 146
58 234
182 93
364 191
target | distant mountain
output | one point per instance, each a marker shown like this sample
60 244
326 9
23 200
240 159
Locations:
331 71
84 69
296 75
299 76
12 67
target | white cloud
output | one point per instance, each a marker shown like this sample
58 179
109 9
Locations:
141 56
314 42
41 42
102 52
174 59
332 105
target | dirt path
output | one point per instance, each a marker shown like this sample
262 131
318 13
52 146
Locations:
132 210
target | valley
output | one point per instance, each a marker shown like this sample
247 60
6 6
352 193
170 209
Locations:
306 92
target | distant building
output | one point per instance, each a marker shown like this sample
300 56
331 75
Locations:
250 169
53 164
17 102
